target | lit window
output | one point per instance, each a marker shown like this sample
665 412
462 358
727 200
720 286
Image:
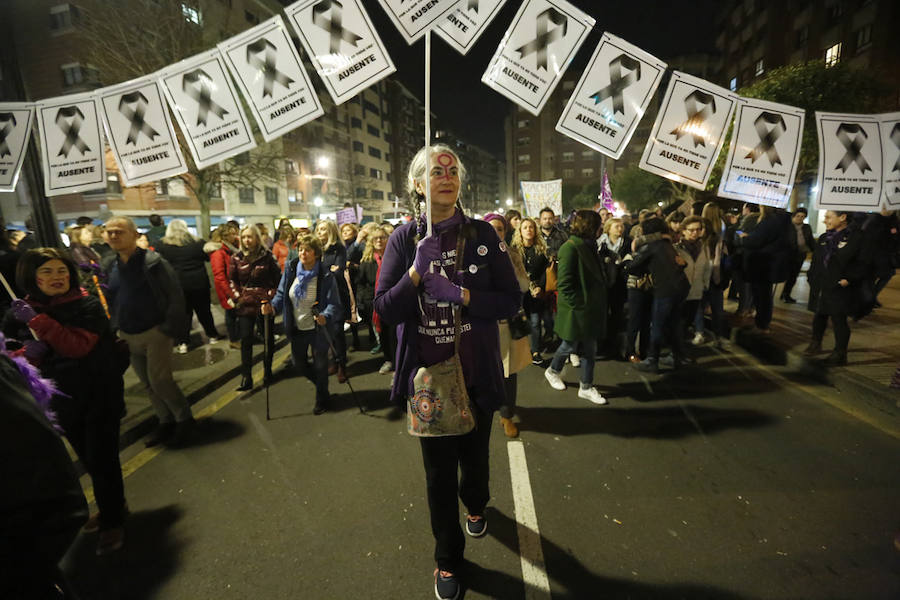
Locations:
524 141
732 85
568 173
568 156
72 74
523 123
162 187
587 153
375 173
833 55
524 159
191 14
112 183
589 172
759 68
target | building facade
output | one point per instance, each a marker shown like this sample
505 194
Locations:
756 36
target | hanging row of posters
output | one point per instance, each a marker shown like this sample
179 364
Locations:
859 167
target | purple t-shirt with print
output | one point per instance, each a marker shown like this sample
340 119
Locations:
434 320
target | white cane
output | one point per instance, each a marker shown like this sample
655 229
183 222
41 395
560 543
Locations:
428 132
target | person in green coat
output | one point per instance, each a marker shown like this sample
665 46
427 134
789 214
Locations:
581 305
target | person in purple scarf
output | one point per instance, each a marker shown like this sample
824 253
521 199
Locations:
834 277
416 290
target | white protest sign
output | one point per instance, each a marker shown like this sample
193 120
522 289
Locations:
536 50
414 17
850 162
208 108
764 153
268 69
689 130
609 101
538 194
16 119
462 27
72 149
140 132
890 140
344 47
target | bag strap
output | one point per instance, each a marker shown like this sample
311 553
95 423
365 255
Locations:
457 267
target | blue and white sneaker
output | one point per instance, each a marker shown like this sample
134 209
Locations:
476 525
446 586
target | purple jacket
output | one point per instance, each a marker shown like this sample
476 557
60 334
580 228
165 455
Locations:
494 295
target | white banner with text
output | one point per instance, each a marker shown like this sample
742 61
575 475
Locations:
16 119
850 161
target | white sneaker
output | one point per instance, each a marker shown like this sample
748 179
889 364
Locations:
699 338
181 349
576 362
346 326
591 394
213 340
387 367
555 381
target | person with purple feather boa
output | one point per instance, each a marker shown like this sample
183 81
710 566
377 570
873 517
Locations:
67 335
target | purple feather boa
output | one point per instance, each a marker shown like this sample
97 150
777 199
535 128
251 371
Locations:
41 388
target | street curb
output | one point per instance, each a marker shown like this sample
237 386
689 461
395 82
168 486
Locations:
855 386
145 420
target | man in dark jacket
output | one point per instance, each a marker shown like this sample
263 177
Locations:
805 244
147 308
554 237
767 254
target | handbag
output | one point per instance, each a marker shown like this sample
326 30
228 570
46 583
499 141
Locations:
440 405
551 284
519 326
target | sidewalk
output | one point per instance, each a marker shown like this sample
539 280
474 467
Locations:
202 370
874 351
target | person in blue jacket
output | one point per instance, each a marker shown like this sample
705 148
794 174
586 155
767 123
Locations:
417 289
307 297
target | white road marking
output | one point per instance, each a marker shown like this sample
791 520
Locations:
534 572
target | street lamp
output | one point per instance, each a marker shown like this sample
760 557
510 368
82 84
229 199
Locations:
509 201
323 162
318 201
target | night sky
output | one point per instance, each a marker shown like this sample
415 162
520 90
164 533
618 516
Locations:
476 112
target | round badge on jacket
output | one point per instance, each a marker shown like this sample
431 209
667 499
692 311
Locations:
481 250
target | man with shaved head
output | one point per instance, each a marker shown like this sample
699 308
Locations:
147 307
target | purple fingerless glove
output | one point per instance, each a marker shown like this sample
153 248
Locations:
427 250
35 350
442 289
22 311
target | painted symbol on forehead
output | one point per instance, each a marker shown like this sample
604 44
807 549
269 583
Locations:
446 161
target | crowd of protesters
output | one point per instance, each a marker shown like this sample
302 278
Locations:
643 288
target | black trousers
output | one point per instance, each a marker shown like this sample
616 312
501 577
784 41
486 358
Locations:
510 386
94 435
197 302
442 457
841 331
796 267
246 326
763 293
231 325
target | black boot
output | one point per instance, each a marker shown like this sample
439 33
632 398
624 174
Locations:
246 384
815 346
836 359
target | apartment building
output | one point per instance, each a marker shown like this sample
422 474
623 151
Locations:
756 36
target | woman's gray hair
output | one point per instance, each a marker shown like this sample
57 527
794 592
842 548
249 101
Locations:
417 169
177 233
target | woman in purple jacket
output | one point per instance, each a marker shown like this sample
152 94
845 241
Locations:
416 288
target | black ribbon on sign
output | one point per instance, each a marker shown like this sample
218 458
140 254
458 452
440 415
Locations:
895 137
696 116
853 145
202 94
545 35
267 67
136 116
9 122
618 83
768 137
472 4
334 25
71 129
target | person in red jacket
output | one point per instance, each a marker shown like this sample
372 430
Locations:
67 335
221 248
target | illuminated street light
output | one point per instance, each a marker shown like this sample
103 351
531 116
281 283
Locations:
317 200
323 162
509 201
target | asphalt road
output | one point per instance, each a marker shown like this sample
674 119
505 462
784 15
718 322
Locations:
727 480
